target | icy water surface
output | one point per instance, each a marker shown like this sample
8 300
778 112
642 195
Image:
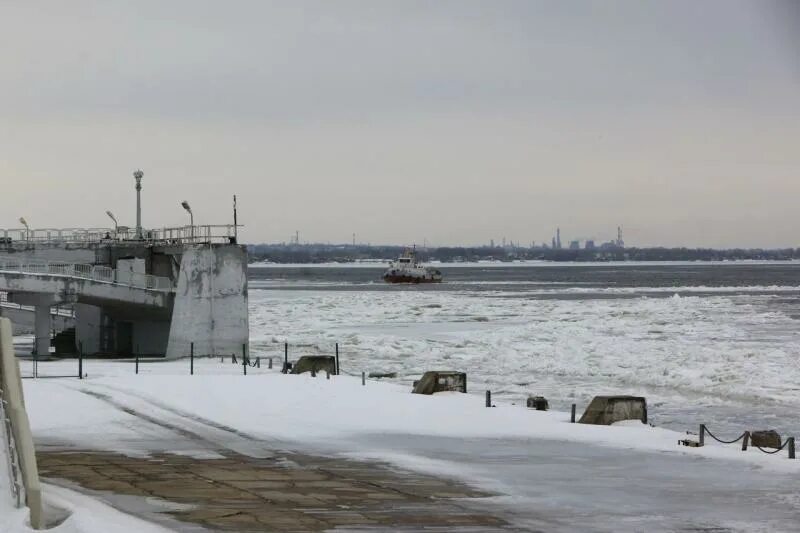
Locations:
712 343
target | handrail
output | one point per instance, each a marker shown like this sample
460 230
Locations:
222 233
99 273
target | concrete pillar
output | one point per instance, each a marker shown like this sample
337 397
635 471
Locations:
42 329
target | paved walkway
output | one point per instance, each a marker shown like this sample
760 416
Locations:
291 492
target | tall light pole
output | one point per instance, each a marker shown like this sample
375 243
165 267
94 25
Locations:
138 176
112 217
185 205
27 229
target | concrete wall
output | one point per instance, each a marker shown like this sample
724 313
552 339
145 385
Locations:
23 320
210 302
150 337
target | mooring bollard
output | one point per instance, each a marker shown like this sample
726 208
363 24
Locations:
336 370
702 435
191 359
745 440
791 447
363 378
80 360
488 398
572 416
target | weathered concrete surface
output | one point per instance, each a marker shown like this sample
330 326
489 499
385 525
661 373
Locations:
440 381
317 363
293 493
765 438
72 290
22 319
606 410
210 302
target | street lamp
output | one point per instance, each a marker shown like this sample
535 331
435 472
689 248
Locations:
138 177
185 205
112 217
27 229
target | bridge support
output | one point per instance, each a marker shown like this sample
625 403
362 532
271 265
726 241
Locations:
41 329
41 302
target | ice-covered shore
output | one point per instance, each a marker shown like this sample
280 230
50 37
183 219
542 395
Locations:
508 449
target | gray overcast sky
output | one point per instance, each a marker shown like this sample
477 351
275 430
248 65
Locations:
451 121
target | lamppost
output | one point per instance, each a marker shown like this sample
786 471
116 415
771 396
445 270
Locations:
138 176
112 217
27 229
185 205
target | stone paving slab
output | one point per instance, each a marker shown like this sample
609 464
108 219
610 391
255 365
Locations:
292 493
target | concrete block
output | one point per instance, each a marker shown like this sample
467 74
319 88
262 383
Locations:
605 410
539 403
315 363
765 438
441 381
379 375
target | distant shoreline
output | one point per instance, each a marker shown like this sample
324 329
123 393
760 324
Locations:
529 263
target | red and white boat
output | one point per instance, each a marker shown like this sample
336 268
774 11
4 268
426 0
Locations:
406 269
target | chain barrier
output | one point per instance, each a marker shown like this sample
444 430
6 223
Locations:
737 439
747 440
776 450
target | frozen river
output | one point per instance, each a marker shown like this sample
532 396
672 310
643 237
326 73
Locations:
711 343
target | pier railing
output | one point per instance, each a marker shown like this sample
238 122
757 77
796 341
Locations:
220 233
91 272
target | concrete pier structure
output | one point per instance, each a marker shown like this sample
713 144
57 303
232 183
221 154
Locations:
154 295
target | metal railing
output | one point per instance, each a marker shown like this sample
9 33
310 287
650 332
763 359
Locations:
222 233
92 272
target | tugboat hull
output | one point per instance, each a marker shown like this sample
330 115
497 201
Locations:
396 278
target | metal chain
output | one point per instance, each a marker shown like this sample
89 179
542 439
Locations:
740 437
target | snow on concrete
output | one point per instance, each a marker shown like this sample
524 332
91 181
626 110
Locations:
81 514
549 474
302 409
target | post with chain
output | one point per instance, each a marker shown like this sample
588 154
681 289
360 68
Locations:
572 414
336 370
191 359
488 398
285 357
244 358
702 435
745 440
791 447
80 360
363 378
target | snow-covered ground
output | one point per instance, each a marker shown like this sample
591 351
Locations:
548 473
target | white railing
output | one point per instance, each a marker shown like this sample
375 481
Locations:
93 272
224 233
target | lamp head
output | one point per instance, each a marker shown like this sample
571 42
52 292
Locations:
185 205
138 174
23 221
111 216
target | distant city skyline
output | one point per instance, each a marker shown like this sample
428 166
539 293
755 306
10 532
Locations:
453 122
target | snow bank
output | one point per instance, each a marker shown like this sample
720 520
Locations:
304 411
